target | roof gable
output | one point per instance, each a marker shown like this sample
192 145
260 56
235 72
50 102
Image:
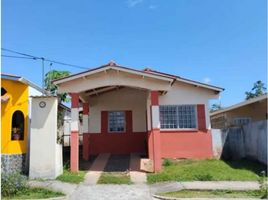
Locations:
145 73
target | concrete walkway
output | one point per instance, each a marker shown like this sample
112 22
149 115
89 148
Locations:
221 185
136 176
96 169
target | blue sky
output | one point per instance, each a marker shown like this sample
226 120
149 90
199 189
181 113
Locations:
220 42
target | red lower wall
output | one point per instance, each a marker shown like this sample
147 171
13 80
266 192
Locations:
192 144
116 143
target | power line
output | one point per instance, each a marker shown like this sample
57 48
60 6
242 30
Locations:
8 56
28 56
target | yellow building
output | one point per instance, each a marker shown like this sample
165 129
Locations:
15 121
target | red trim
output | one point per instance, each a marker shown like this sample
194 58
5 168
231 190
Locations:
74 151
104 121
85 109
201 117
75 100
154 98
129 121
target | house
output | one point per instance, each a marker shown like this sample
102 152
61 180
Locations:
15 120
139 111
251 110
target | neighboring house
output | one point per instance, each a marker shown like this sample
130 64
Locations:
16 93
251 110
139 111
15 120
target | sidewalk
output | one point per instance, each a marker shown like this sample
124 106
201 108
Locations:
204 185
138 191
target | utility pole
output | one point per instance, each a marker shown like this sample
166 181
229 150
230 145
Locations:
43 75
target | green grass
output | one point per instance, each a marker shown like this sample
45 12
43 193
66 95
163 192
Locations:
208 170
114 178
35 193
71 177
214 194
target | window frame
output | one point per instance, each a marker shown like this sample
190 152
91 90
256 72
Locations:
124 114
181 129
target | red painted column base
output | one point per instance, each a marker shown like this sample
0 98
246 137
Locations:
86 146
74 151
157 150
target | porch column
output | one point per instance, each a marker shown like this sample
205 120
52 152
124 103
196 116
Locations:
75 133
85 131
155 132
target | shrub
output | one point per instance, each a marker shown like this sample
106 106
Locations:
167 162
12 183
203 177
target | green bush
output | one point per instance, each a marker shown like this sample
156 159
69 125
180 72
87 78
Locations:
203 177
11 184
167 162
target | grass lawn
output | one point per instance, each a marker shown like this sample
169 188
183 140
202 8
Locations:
35 193
214 194
71 177
114 178
207 170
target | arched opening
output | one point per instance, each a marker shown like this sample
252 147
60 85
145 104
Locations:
3 91
17 129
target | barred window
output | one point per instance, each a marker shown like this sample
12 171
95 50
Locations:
178 116
116 121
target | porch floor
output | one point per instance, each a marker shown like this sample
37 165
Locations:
113 163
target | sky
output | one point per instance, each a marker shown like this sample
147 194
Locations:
219 42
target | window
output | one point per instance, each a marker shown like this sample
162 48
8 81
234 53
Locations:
116 121
17 131
178 116
240 121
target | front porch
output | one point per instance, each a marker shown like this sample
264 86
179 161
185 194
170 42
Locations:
102 135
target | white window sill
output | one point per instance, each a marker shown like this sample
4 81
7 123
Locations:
181 129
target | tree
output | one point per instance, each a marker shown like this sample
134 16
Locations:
54 74
215 107
257 90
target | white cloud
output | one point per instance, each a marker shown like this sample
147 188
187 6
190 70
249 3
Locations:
206 80
133 3
152 7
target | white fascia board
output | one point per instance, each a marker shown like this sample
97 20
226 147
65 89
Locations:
80 75
201 85
114 68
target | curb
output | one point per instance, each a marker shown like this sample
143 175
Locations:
194 198
53 198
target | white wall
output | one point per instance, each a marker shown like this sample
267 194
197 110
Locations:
45 153
122 99
182 93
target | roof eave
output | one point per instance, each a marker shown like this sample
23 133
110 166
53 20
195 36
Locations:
238 105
